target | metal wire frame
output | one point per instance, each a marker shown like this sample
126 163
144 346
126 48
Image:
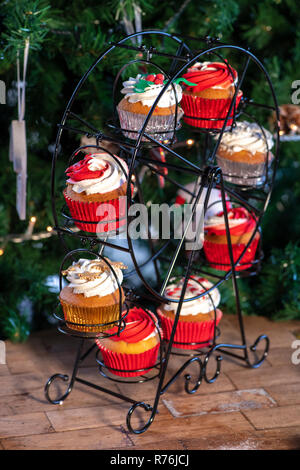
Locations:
142 132
210 177
131 300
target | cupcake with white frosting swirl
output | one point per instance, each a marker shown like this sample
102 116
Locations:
198 315
244 154
91 300
96 192
140 94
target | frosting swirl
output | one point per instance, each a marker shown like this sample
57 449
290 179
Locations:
149 94
90 277
96 173
196 285
139 326
239 219
210 75
247 136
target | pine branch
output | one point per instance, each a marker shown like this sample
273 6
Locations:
28 20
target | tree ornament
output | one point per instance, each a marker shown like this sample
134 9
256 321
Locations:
129 12
17 144
290 119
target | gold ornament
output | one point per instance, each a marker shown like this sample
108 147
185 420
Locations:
98 265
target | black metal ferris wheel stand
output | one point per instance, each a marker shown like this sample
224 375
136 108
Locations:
207 175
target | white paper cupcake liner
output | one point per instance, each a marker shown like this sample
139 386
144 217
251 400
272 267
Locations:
159 127
241 173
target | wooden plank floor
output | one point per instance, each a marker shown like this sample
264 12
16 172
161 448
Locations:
244 409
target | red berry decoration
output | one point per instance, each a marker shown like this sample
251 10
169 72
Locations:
157 81
160 77
150 78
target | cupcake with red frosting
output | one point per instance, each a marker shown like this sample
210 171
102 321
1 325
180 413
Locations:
134 351
96 192
241 226
206 104
198 316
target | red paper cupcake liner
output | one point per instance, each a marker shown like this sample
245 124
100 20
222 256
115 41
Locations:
218 254
189 332
207 109
129 365
113 214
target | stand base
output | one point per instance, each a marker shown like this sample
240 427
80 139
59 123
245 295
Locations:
201 357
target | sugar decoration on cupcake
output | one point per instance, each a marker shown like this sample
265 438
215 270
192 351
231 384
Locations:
240 221
94 277
91 269
195 286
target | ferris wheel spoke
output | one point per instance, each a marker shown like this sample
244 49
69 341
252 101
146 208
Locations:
83 121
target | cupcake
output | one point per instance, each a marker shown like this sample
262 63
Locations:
206 104
198 317
244 153
140 94
241 226
96 193
134 351
92 296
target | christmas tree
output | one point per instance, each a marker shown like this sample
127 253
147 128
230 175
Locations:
59 41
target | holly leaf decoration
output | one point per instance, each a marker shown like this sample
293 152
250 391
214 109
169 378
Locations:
184 80
142 85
